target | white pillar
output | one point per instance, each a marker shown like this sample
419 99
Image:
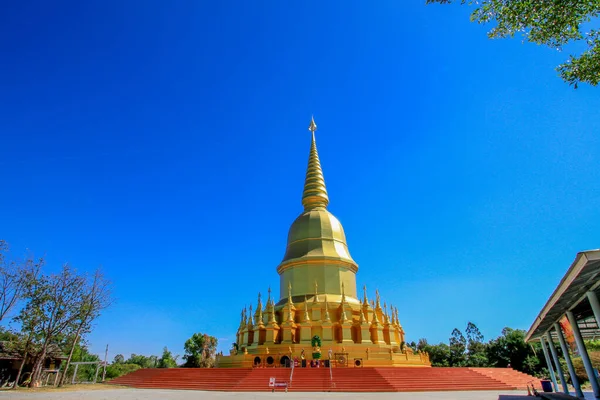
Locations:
584 354
549 363
561 375
593 299
565 350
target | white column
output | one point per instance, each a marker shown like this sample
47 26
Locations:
584 354
565 350
593 299
549 363
561 375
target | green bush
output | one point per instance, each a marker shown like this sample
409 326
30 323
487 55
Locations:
580 369
116 370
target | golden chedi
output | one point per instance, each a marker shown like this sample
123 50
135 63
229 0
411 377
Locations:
319 314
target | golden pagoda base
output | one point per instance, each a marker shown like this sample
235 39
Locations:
349 355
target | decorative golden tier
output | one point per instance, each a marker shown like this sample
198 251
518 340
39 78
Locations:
318 300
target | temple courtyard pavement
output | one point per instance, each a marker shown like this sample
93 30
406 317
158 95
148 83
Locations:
159 394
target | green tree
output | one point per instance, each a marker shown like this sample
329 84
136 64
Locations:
167 360
510 348
97 297
200 351
412 345
142 361
439 354
552 23
119 359
458 346
52 306
476 348
14 276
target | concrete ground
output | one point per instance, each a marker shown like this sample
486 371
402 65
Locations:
159 394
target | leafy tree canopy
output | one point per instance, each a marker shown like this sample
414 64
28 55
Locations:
552 23
458 345
119 359
142 361
200 351
167 360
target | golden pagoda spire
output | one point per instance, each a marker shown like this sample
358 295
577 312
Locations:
259 313
327 318
365 298
250 322
377 300
315 192
316 299
243 315
306 316
272 320
290 304
375 320
343 295
344 317
386 318
362 318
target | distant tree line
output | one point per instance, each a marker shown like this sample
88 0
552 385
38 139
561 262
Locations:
470 350
200 352
507 350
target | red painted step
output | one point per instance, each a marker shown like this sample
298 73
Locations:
318 379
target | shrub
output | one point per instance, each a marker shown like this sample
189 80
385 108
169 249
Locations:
580 369
116 370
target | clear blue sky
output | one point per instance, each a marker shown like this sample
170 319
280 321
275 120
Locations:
167 142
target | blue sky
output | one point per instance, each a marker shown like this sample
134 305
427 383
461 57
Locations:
167 142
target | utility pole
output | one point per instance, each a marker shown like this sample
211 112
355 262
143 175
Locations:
105 357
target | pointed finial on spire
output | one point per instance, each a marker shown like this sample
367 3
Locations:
327 318
315 192
365 299
306 316
312 127
377 299
316 298
289 292
343 294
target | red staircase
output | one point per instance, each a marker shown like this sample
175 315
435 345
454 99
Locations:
510 377
366 379
439 379
184 378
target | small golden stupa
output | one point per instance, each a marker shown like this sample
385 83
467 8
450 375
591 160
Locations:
319 315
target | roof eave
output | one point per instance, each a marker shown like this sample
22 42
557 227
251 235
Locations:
576 267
